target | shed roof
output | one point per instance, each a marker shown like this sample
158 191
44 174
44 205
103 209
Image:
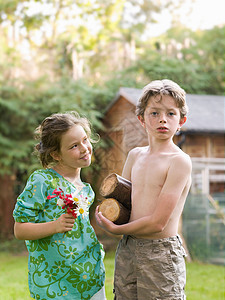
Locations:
206 112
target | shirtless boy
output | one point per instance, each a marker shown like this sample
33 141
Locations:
150 257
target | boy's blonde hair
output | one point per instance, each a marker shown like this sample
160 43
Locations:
162 87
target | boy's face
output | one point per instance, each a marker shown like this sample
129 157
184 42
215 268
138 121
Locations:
162 117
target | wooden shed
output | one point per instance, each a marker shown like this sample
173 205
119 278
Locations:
202 137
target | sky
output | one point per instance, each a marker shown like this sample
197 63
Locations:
205 15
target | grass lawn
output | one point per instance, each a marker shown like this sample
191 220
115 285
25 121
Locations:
204 282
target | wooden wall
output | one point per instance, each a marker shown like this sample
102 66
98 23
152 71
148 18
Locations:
207 145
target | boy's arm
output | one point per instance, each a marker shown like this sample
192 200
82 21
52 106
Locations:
127 167
177 178
129 163
35 231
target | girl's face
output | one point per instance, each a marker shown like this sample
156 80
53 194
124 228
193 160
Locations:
162 117
76 149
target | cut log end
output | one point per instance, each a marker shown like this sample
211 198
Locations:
110 209
108 185
114 211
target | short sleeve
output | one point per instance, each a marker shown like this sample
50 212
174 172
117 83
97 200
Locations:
32 200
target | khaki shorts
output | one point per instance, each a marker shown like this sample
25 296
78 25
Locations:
150 269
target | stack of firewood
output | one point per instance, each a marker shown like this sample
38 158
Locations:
116 206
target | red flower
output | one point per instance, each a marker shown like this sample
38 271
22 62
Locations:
68 203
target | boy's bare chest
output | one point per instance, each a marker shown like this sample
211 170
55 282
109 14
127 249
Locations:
150 171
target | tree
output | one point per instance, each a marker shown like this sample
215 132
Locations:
83 37
192 59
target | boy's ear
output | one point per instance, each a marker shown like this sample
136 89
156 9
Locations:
141 119
182 121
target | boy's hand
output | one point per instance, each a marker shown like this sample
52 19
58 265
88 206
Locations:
105 224
64 223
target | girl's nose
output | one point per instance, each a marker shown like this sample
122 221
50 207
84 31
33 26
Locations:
83 148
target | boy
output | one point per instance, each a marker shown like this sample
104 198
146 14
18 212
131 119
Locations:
150 257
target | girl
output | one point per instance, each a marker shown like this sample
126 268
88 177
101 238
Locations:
65 257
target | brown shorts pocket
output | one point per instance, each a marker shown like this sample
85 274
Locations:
162 267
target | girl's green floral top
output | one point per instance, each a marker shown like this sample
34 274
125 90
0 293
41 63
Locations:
65 265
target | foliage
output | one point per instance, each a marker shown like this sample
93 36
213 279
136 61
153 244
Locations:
96 40
23 108
189 75
16 129
192 59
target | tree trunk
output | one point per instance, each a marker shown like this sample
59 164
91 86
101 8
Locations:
7 203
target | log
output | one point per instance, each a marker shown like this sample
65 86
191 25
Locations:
117 187
114 211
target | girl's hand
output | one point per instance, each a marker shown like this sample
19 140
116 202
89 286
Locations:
105 224
64 223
